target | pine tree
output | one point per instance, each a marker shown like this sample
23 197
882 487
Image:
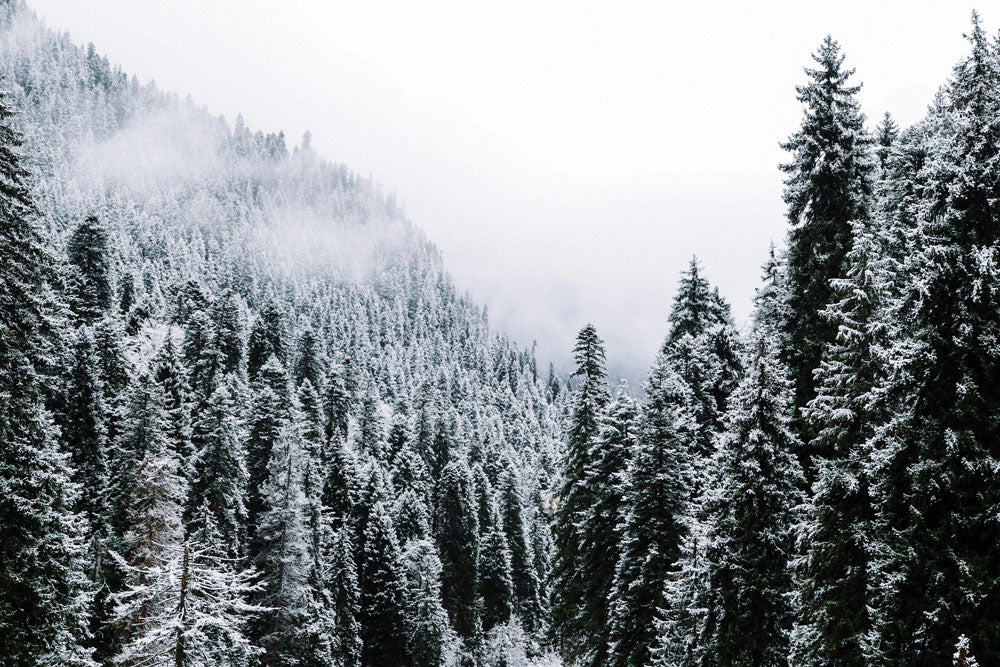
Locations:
87 251
427 629
524 578
153 537
599 525
171 375
267 338
345 594
383 612
885 136
458 544
43 591
495 584
310 362
828 185
265 420
568 588
228 326
936 491
749 507
337 403
83 432
218 483
202 357
280 552
832 568
656 497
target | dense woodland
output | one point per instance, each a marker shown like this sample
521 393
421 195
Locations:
246 418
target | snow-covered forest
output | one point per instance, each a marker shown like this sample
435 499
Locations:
246 417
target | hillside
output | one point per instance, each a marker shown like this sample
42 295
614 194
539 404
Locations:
223 268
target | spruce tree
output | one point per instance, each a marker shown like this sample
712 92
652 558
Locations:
527 595
569 590
936 491
495 584
342 585
828 185
427 629
457 536
383 595
280 552
171 375
267 338
87 251
44 596
84 434
218 482
656 497
599 525
832 567
750 513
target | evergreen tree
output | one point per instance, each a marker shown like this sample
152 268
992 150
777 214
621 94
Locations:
832 568
656 496
496 586
383 590
428 632
265 420
936 490
280 552
569 591
84 434
171 375
310 362
885 136
228 326
267 338
153 537
345 594
218 485
523 575
337 403
87 251
599 526
749 507
43 592
458 544
828 185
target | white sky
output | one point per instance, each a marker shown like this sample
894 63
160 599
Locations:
567 157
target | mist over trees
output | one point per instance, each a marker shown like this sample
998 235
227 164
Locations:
247 419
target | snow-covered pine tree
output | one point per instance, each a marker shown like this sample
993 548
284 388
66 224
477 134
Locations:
146 609
495 582
383 595
937 494
599 526
749 507
171 375
429 635
44 597
345 594
280 552
828 185
457 537
569 591
527 594
90 282
656 501
835 532
218 482
267 338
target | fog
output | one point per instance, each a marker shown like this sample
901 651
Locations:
567 158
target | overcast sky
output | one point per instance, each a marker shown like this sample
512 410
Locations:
567 157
